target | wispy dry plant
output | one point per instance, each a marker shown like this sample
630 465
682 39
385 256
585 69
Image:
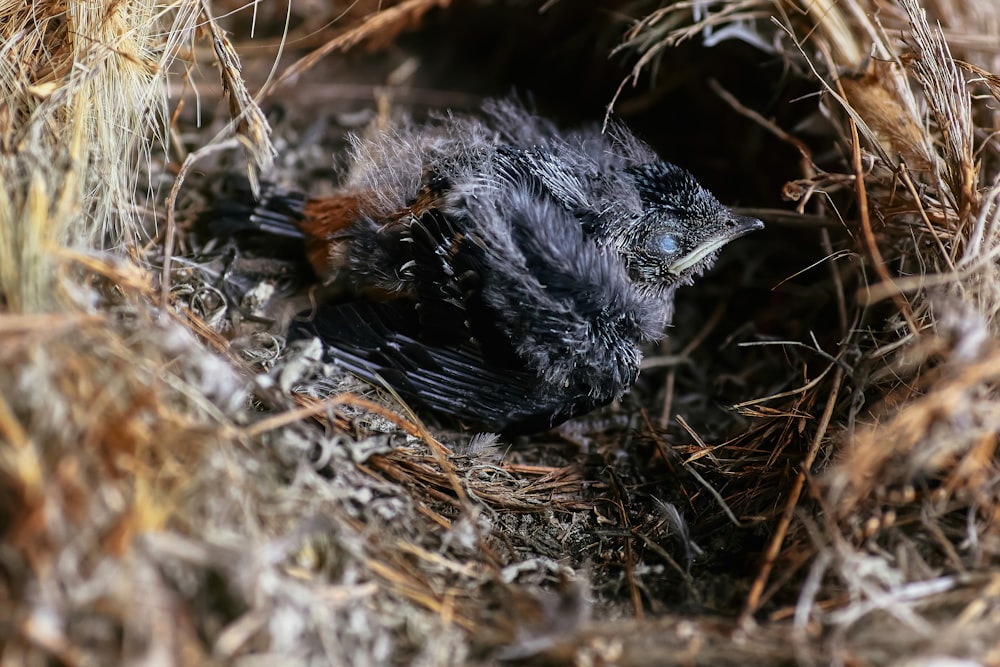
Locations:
151 511
106 404
84 90
911 439
80 99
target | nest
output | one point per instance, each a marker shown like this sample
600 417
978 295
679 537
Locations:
806 473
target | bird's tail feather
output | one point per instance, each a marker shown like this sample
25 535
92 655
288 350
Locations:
277 212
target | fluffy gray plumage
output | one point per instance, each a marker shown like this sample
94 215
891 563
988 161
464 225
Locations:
527 265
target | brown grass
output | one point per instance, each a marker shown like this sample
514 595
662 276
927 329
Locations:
164 496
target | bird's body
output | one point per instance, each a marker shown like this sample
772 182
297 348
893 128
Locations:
497 270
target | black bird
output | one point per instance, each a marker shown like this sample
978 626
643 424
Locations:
494 268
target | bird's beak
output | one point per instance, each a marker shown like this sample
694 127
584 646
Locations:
741 226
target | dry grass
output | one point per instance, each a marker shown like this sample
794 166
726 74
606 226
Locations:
164 497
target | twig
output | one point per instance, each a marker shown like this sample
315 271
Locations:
629 555
175 189
781 530
866 227
701 480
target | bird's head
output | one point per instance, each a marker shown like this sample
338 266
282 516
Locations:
681 228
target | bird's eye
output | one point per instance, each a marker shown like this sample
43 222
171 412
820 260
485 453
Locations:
663 244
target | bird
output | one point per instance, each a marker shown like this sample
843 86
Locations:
493 268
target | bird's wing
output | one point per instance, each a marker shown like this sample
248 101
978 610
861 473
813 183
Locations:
376 342
380 343
441 347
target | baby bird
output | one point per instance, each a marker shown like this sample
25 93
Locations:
494 268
